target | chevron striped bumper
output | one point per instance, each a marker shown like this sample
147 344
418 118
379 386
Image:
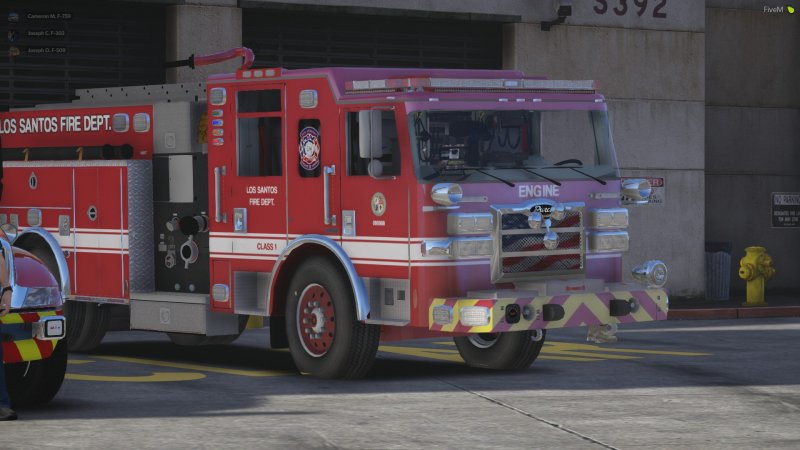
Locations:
24 345
457 315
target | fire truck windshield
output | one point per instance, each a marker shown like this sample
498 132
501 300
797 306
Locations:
481 145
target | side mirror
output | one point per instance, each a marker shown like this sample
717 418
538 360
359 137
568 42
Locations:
635 191
369 134
8 232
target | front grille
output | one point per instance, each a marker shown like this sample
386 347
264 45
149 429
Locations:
533 264
522 253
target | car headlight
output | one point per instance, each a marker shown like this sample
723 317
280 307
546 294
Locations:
474 316
608 218
608 241
469 223
38 297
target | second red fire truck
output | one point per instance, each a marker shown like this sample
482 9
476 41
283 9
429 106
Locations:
342 206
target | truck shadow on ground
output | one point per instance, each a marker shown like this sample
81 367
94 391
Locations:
223 390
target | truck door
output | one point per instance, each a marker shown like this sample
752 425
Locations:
375 206
246 169
313 160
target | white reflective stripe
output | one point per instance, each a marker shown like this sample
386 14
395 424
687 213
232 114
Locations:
100 251
373 249
253 246
374 238
115 231
104 241
420 264
378 250
234 256
107 241
248 235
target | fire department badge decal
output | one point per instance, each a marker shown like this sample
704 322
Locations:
309 148
378 204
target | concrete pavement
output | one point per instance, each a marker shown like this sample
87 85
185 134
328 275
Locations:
700 384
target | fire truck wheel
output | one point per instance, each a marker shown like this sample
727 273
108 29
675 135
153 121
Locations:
325 338
500 351
36 382
87 325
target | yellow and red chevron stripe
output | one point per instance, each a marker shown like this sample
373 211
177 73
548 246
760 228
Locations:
28 349
579 310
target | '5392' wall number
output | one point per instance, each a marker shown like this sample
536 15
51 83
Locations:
622 7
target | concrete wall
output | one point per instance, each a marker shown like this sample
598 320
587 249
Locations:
652 73
752 131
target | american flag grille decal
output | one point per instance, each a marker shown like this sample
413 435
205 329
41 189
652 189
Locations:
523 254
531 242
520 221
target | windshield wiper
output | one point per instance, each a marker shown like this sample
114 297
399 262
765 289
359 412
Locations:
560 165
479 170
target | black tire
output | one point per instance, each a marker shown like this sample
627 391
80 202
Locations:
87 324
36 382
500 351
194 340
343 346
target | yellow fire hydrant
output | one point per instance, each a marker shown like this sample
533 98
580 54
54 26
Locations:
756 268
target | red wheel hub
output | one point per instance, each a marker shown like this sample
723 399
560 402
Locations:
315 320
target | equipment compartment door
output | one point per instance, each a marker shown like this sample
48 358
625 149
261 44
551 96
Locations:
100 236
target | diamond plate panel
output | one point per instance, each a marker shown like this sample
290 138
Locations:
140 226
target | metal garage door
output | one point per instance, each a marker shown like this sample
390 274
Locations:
91 44
296 40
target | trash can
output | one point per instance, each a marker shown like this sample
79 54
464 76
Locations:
718 270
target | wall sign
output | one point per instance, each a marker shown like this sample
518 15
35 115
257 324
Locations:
786 209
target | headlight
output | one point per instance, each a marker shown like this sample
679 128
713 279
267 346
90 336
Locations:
459 248
442 315
653 272
447 194
464 223
473 247
608 241
474 316
608 218
40 297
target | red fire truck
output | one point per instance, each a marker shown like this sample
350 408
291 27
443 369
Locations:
341 206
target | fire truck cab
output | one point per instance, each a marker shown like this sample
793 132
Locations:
340 207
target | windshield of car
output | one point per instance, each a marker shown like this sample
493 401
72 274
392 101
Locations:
480 145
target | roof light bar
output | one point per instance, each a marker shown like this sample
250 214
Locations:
433 84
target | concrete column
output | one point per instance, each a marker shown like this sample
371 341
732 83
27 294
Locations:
651 71
201 30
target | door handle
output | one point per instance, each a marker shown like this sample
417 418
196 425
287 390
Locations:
327 171
219 216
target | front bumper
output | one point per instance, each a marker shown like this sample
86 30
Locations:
19 336
556 311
